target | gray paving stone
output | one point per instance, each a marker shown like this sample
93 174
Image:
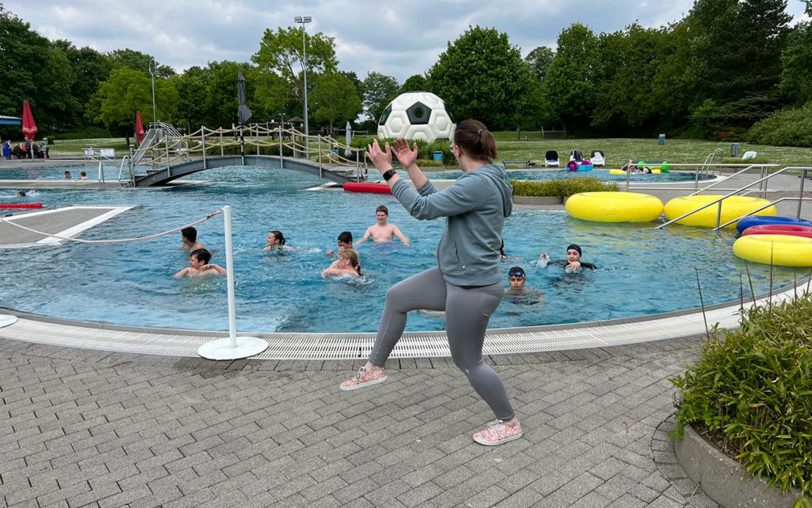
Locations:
590 420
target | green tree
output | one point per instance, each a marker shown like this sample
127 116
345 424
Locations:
736 48
796 76
126 91
539 60
33 69
569 84
280 53
415 83
627 63
138 61
90 68
334 99
192 87
481 75
378 91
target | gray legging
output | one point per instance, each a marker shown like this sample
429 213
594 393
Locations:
467 311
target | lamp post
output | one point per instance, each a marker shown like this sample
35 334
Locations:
303 20
152 77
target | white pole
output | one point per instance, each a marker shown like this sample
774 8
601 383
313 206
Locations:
229 348
232 306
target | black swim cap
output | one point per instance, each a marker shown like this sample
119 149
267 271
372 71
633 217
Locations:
575 246
517 271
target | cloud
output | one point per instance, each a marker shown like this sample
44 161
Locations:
397 38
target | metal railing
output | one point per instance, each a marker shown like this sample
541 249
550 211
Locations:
760 181
168 147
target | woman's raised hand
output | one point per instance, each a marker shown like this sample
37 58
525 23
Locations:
405 155
382 159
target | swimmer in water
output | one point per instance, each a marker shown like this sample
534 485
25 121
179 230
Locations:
276 242
573 262
383 231
199 265
346 264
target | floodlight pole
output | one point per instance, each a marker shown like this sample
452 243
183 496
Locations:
152 77
303 20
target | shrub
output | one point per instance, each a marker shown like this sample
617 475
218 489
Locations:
752 390
564 187
789 127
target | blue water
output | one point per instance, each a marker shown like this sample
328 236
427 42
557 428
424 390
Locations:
110 172
642 270
600 174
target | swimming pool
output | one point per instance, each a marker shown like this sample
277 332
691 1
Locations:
110 172
642 271
600 174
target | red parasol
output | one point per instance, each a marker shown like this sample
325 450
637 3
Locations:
29 125
139 127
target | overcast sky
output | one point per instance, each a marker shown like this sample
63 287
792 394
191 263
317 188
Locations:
397 38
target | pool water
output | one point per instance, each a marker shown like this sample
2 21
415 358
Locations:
642 270
110 172
600 174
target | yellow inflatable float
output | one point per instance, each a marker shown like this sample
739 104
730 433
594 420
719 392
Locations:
614 207
781 250
654 171
732 208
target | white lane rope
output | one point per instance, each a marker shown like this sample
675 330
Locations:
115 240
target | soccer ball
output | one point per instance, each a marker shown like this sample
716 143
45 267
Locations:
416 115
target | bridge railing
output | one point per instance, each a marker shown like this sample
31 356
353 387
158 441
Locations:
261 139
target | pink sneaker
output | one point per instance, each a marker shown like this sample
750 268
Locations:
364 378
497 433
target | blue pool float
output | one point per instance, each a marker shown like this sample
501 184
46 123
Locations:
761 220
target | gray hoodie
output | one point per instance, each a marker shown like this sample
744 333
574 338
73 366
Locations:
476 206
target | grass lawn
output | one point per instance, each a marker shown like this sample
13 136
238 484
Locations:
75 147
617 150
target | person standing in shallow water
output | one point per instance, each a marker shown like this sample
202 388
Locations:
467 283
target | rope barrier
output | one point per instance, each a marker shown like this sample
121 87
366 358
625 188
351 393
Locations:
119 240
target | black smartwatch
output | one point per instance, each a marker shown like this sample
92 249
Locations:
389 174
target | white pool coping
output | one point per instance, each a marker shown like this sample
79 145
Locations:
351 346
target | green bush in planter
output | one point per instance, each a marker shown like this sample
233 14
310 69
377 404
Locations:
752 390
564 187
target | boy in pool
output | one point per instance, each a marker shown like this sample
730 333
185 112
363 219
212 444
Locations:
383 231
517 291
188 237
344 241
199 265
573 262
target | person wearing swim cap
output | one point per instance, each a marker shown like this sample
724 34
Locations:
573 262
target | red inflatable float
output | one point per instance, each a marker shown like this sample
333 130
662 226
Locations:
374 188
20 205
779 229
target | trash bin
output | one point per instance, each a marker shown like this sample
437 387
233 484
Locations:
437 156
661 139
734 149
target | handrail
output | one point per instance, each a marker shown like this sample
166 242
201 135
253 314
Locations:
719 201
800 199
714 184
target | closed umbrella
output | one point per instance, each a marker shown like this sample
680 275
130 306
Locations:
139 127
29 125
243 113
347 139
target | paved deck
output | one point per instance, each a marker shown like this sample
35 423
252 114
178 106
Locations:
108 429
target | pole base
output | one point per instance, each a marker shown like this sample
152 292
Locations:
222 349
7 319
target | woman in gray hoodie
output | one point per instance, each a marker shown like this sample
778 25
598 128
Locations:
466 283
